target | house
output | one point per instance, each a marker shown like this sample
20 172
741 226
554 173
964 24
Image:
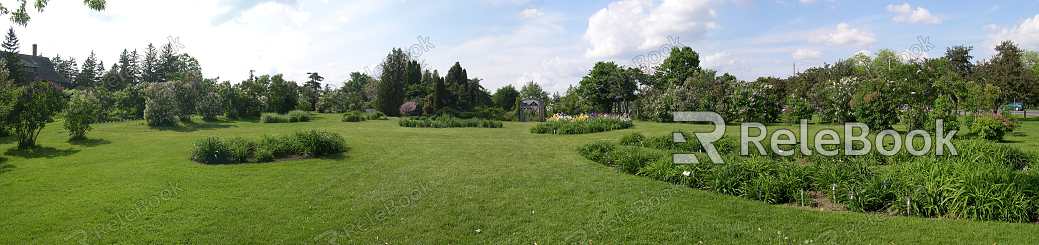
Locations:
42 68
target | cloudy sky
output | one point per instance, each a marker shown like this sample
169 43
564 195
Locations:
553 43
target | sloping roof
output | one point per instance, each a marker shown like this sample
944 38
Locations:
44 69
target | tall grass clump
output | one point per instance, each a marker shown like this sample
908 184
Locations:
448 122
298 116
273 118
581 127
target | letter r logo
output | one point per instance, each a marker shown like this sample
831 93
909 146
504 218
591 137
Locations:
707 139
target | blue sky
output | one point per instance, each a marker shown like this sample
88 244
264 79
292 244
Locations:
553 43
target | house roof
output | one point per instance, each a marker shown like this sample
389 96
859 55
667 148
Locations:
44 69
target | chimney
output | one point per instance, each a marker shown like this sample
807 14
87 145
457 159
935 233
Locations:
34 53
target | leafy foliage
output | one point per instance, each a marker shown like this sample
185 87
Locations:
79 114
30 109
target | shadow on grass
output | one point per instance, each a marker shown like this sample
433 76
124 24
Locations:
195 126
40 152
90 142
4 166
8 139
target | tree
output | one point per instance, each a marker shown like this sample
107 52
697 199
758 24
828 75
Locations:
167 62
391 91
66 68
505 97
959 60
437 100
457 82
357 82
682 63
33 106
1030 60
14 60
1005 70
533 90
80 113
607 84
21 16
150 69
283 95
88 73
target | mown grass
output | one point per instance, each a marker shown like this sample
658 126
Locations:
513 186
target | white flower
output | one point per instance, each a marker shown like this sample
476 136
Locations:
686 173
477 230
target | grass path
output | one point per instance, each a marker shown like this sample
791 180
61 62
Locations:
134 184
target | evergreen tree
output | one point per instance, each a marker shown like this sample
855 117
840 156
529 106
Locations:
65 68
133 69
391 90
438 98
14 60
458 83
150 68
99 77
88 72
167 62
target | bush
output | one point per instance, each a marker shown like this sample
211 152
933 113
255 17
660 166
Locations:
407 108
161 107
315 143
79 114
30 108
352 116
210 106
273 118
797 108
210 150
448 122
377 115
298 116
580 127
239 149
992 126
633 138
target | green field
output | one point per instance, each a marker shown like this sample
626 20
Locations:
135 184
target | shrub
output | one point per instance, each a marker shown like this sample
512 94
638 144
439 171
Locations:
448 122
210 106
210 150
298 116
30 109
581 127
597 151
239 149
161 107
407 108
377 115
873 105
318 143
797 108
633 138
273 118
352 116
992 126
79 114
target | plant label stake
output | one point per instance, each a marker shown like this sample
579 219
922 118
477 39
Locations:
802 197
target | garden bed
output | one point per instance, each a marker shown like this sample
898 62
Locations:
295 146
582 124
448 122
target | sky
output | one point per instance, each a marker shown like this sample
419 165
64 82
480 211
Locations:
553 43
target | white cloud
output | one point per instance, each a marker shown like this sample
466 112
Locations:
530 13
806 54
865 52
744 3
905 13
845 36
1025 35
991 27
343 19
645 25
812 1
723 62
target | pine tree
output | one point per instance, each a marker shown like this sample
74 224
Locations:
149 71
133 70
167 62
86 76
14 60
100 73
390 93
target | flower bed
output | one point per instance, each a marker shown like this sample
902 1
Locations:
448 122
582 124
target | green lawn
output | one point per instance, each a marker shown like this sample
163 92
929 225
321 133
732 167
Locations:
134 184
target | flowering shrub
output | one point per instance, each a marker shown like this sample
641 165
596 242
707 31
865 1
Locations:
30 108
797 108
161 107
992 126
874 105
80 112
210 106
407 108
835 97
